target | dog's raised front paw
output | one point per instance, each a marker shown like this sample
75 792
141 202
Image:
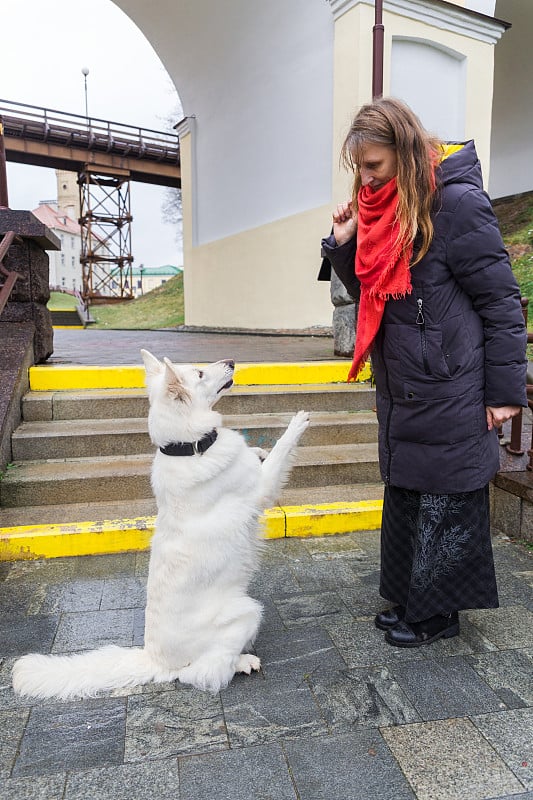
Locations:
247 662
298 424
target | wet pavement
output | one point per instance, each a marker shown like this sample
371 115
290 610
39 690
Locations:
92 346
335 712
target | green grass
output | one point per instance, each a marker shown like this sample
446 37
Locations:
61 301
160 308
515 217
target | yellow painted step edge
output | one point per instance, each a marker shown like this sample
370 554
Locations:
61 377
30 542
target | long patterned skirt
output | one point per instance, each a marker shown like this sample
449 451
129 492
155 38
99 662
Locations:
436 553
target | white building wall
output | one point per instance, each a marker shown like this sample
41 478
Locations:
257 77
512 128
65 267
438 94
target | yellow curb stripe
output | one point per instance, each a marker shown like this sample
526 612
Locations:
67 327
331 518
29 542
62 377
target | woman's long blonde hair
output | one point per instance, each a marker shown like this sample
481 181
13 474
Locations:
390 122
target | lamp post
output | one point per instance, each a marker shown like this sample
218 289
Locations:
85 72
377 51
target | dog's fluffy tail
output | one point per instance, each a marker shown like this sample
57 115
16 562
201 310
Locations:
85 674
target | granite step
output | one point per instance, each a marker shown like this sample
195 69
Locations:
133 403
129 436
112 478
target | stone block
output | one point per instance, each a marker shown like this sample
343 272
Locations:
37 316
169 723
510 735
16 356
508 673
344 330
339 295
12 724
447 688
449 760
152 779
21 634
26 224
258 711
508 627
47 787
369 696
72 736
290 656
31 262
255 772
526 528
506 512
87 629
351 766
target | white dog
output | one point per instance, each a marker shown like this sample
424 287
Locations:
210 489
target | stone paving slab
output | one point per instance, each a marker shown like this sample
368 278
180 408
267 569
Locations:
510 735
450 760
335 712
357 766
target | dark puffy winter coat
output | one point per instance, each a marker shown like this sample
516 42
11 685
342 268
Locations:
453 346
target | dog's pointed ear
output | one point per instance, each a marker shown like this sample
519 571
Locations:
174 385
151 364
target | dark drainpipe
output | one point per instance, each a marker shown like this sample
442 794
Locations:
378 32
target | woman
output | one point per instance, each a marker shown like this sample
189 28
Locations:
440 313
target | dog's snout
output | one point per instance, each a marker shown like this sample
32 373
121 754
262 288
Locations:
229 362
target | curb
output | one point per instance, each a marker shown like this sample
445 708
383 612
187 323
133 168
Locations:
62 377
31 542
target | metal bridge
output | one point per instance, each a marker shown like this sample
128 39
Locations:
48 138
106 156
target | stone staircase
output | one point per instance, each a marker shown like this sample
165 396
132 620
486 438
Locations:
84 455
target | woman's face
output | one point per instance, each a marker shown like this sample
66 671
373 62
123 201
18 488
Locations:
377 165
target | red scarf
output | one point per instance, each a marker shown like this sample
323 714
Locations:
381 265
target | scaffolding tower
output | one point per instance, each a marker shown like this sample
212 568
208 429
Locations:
105 219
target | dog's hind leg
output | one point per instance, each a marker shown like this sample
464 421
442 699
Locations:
277 465
235 627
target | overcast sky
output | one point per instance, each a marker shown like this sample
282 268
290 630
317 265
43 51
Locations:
45 45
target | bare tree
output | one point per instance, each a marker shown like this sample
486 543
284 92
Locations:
171 205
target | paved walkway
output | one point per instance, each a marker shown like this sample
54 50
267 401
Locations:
122 347
334 713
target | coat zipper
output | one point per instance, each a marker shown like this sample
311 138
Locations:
421 322
387 429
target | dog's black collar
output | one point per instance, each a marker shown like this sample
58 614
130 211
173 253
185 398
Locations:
190 448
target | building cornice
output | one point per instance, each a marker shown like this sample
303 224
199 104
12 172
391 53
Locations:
437 13
184 126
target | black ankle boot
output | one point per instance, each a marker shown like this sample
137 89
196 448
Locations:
389 618
415 634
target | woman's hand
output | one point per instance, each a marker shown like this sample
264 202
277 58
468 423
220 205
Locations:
497 416
344 223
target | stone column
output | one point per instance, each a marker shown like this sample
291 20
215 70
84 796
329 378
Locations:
344 318
27 256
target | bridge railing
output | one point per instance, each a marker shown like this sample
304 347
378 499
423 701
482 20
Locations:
24 121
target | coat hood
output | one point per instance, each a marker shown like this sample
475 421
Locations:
460 164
